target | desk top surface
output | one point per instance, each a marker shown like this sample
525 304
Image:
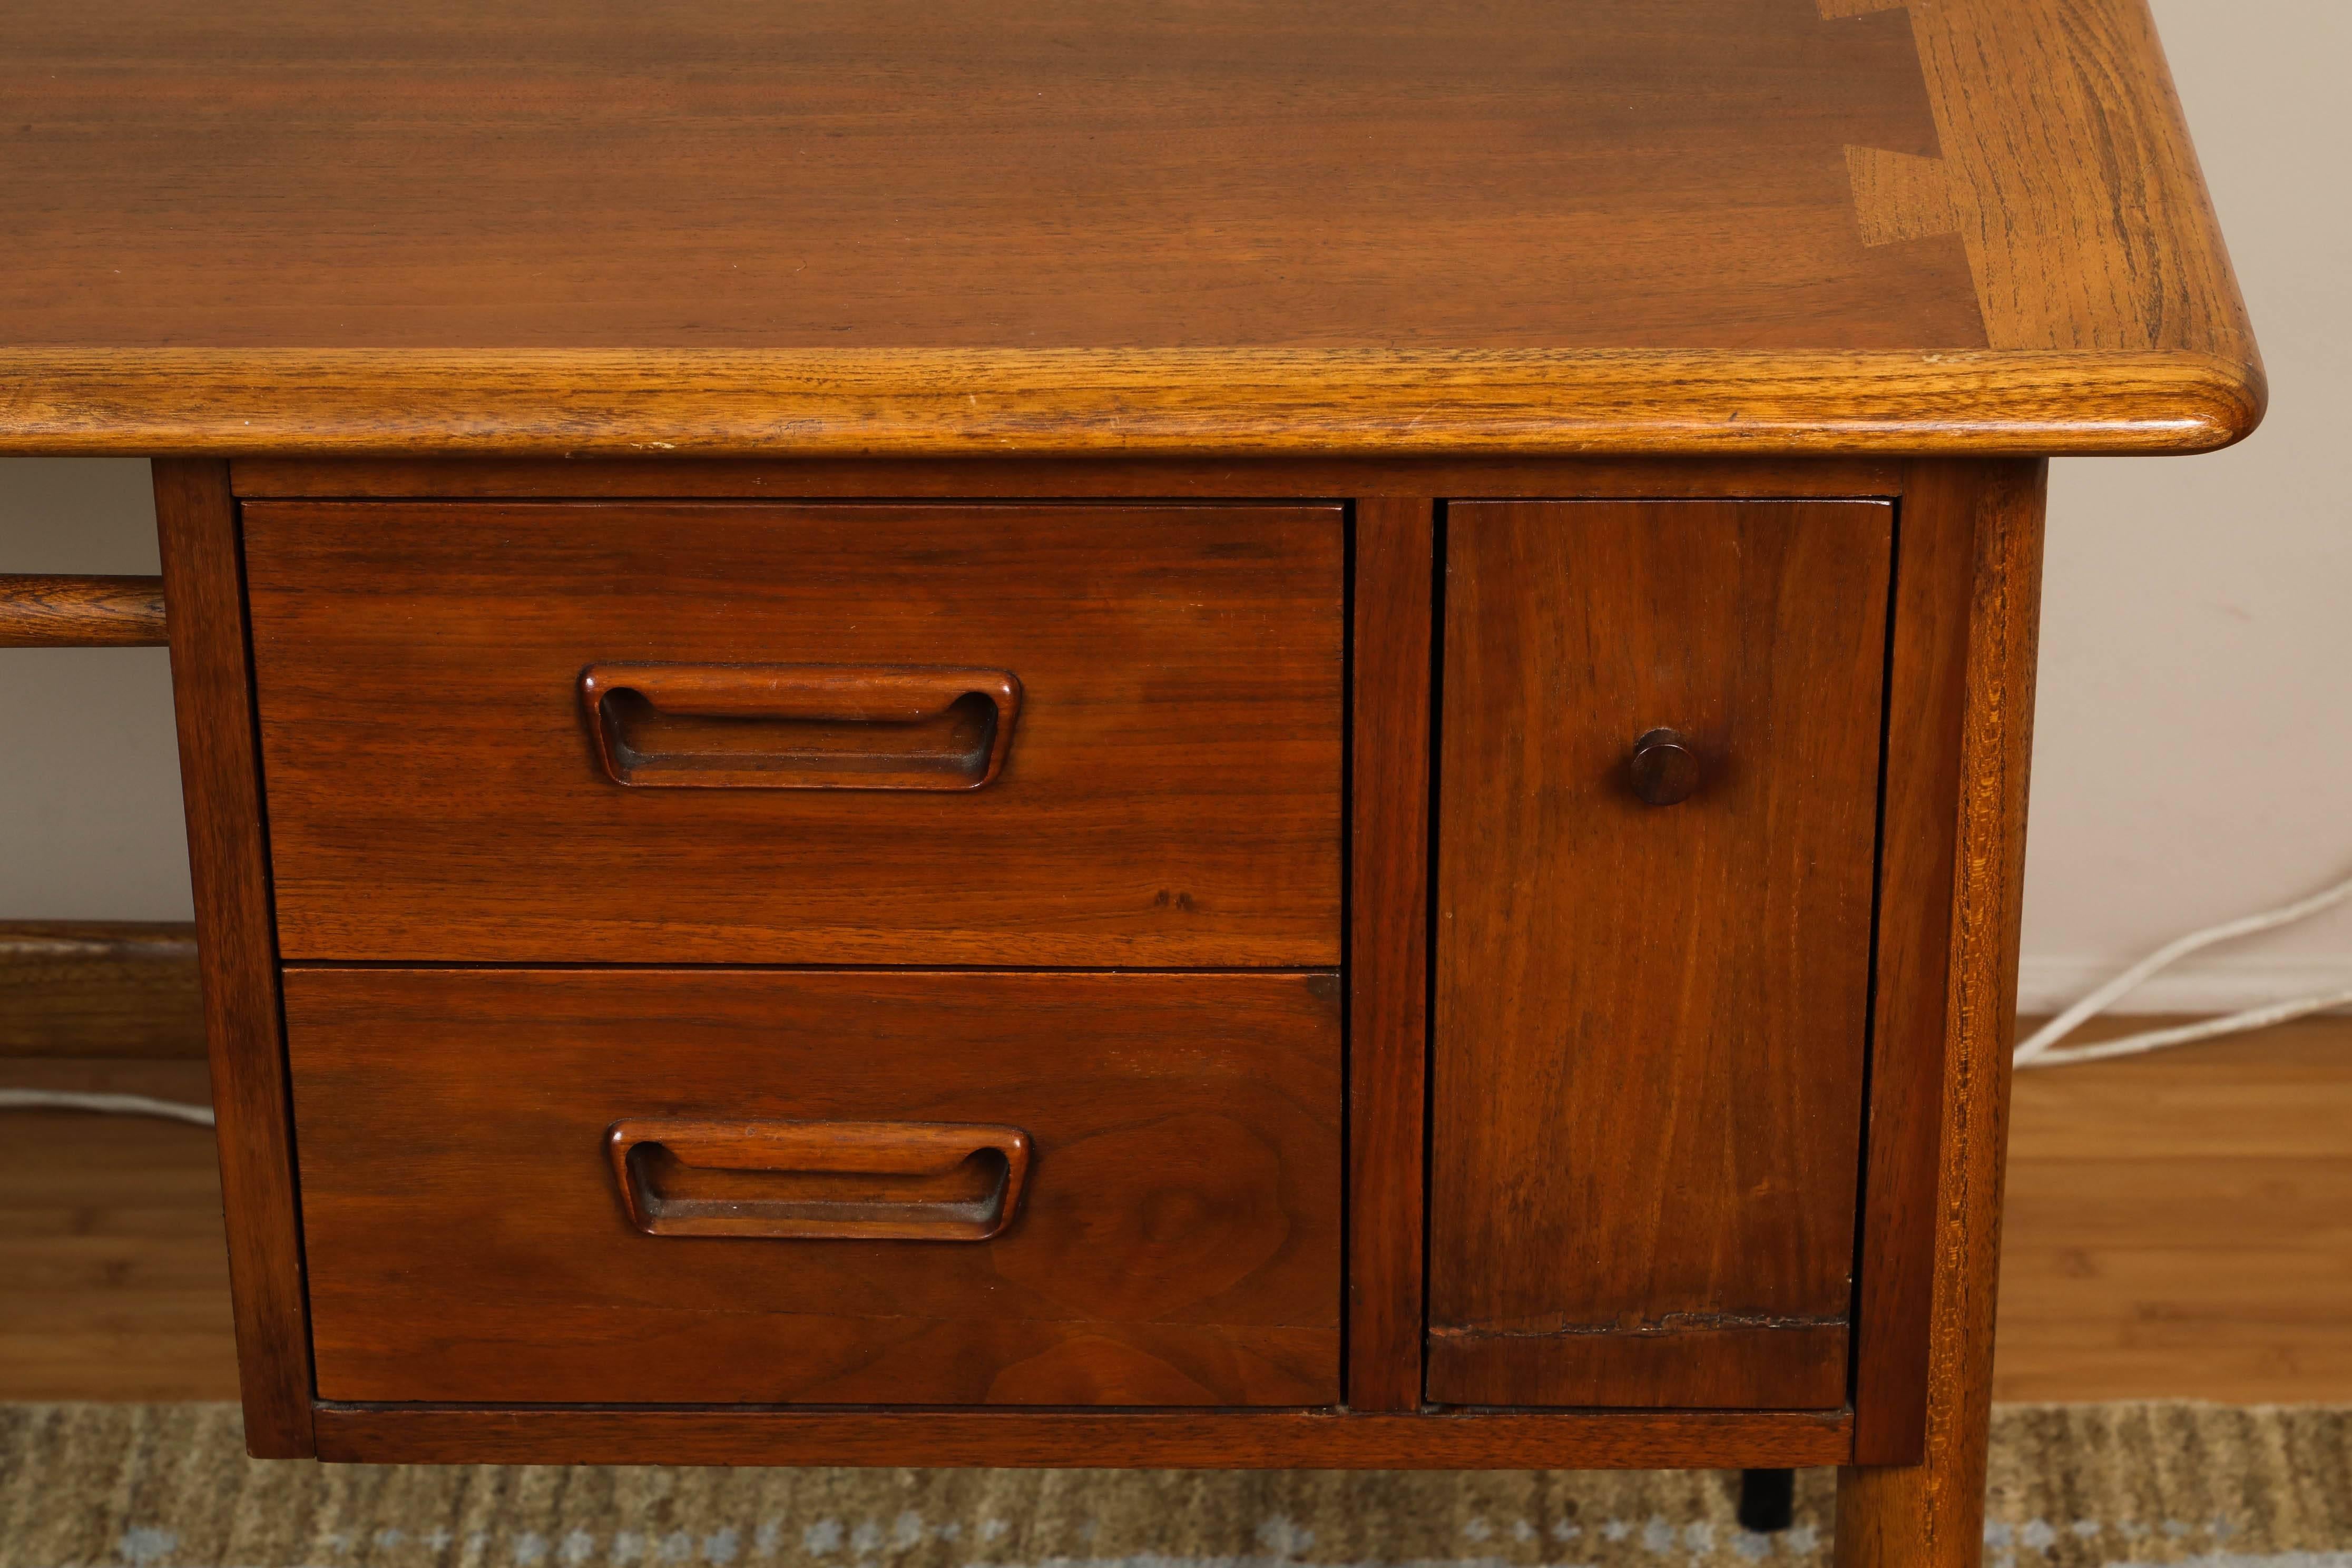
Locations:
1222 226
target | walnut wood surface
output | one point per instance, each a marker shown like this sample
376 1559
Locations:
1651 1020
100 988
892 174
81 612
1060 227
1085 1439
1172 796
1179 1241
229 871
1931 1514
1388 945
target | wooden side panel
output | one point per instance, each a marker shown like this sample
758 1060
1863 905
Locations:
1172 796
1388 947
1650 1032
1927 676
1931 1514
228 865
1176 1240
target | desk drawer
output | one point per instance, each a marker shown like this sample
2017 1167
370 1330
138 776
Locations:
1150 1214
1020 734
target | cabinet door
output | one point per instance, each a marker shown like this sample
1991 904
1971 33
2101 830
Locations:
1651 1012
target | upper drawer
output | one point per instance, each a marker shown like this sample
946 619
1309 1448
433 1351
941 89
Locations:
438 788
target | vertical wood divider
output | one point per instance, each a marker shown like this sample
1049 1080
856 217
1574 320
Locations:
1388 946
1927 692
1931 1514
220 783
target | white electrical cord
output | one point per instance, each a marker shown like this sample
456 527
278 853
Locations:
2037 1051
122 1104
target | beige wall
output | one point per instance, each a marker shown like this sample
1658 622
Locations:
89 787
2195 751
2193 755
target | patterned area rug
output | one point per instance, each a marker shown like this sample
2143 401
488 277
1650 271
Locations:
2072 1487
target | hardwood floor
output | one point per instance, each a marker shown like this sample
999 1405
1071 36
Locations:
114 1274
2180 1225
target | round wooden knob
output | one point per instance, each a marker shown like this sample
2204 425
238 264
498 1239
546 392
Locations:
1664 768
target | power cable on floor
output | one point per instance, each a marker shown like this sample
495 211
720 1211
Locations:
120 1104
2038 1052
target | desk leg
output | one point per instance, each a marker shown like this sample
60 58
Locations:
1931 1514
236 951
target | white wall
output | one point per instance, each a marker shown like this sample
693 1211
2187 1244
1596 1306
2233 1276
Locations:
2194 757
89 783
2193 747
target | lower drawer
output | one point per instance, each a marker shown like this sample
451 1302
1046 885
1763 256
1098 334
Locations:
832 1187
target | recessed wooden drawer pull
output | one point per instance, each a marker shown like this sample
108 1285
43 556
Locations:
873 1181
799 726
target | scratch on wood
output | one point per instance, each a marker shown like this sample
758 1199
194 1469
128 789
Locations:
1669 1323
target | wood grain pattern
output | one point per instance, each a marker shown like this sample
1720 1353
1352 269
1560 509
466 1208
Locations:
1227 402
1172 797
1651 1020
1082 1439
1356 191
1931 1514
1927 674
2076 188
49 611
1178 1245
228 870
1387 944
891 173
1067 478
100 988
1900 196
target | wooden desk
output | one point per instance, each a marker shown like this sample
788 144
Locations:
1056 734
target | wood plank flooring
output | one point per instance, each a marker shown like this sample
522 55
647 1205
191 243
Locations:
2180 1225
113 1275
